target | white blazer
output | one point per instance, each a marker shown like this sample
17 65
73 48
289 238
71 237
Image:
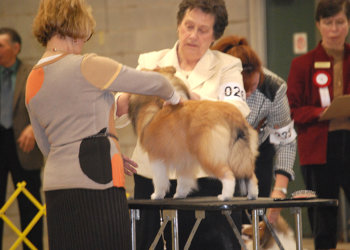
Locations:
217 76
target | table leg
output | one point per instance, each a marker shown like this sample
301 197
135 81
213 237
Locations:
200 215
273 233
175 230
169 215
298 226
135 215
227 214
255 224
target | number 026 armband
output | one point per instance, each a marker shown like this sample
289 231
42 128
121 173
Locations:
283 135
232 91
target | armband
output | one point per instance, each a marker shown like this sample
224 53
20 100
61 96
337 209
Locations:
283 135
231 91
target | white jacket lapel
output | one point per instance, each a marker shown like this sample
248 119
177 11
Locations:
204 69
170 59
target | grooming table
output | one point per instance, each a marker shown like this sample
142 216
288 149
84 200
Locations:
202 204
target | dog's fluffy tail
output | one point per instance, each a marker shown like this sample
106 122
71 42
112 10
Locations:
244 149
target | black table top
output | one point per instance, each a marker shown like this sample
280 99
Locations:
237 203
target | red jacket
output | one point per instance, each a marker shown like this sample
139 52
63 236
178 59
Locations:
305 103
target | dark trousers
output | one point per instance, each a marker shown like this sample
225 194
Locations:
326 180
9 163
264 168
214 232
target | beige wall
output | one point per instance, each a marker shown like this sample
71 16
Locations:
125 28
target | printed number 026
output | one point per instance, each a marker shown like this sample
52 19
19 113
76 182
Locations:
236 91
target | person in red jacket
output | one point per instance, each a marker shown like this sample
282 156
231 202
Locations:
315 80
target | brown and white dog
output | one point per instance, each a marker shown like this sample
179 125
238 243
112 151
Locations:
283 231
211 134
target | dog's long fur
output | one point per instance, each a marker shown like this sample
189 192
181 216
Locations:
212 134
283 231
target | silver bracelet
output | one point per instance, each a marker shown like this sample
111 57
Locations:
282 189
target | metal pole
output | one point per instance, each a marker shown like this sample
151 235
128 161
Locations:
237 233
200 215
298 227
175 230
255 224
273 233
135 215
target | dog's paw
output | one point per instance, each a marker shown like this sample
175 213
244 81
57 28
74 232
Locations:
253 193
179 196
155 196
243 187
222 197
252 196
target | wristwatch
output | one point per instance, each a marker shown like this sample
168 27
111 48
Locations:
282 189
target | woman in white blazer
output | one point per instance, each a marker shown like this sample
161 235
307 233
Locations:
207 73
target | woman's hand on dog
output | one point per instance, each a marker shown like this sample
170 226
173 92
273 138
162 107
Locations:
194 96
129 166
181 101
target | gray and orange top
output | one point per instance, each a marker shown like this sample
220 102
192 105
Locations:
71 105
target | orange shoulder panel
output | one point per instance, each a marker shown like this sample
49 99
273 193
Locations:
34 82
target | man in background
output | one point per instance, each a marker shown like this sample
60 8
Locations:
19 154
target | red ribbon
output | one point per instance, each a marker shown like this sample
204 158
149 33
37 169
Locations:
322 78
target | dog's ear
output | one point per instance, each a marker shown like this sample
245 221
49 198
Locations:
248 230
145 69
167 70
170 70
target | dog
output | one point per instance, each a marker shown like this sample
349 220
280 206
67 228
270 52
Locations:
283 231
211 134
